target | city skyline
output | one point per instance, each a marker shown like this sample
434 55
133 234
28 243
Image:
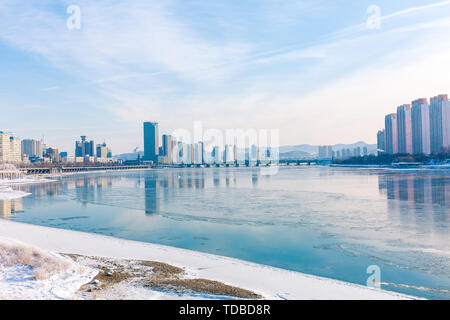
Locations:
311 59
416 128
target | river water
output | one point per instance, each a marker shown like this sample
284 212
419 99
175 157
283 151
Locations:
332 222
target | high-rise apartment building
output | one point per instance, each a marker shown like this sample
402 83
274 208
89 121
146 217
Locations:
10 148
439 123
404 129
151 143
422 129
32 148
381 142
420 119
102 151
391 133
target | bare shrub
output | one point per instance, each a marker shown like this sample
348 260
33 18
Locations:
44 265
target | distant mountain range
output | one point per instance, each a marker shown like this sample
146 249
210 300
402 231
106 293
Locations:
286 152
307 150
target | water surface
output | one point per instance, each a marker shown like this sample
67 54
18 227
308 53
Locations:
332 222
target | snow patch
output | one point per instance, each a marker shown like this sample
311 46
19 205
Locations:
29 273
7 193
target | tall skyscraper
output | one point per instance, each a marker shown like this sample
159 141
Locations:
216 155
202 152
181 151
391 133
439 123
198 153
253 153
420 118
79 150
151 144
381 142
229 154
404 129
175 152
102 151
84 148
32 148
167 147
188 153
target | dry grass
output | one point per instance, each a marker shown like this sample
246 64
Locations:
43 264
204 286
153 275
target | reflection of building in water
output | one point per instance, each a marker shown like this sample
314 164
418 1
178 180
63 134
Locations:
230 179
103 184
49 189
216 178
254 178
416 188
405 188
5 208
91 189
200 180
10 207
189 180
439 192
85 190
422 190
151 195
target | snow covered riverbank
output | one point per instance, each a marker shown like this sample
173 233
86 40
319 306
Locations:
7 193
27 272
268 282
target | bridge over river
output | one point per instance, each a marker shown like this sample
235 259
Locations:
62 169
58 170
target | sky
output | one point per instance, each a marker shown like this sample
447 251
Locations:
319 71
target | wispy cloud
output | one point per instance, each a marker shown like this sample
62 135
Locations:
137 35
51 88
149 59
392 16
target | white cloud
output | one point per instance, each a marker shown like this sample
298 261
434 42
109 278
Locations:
114 38
146 63
51 88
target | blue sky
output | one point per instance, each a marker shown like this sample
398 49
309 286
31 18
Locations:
310 68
